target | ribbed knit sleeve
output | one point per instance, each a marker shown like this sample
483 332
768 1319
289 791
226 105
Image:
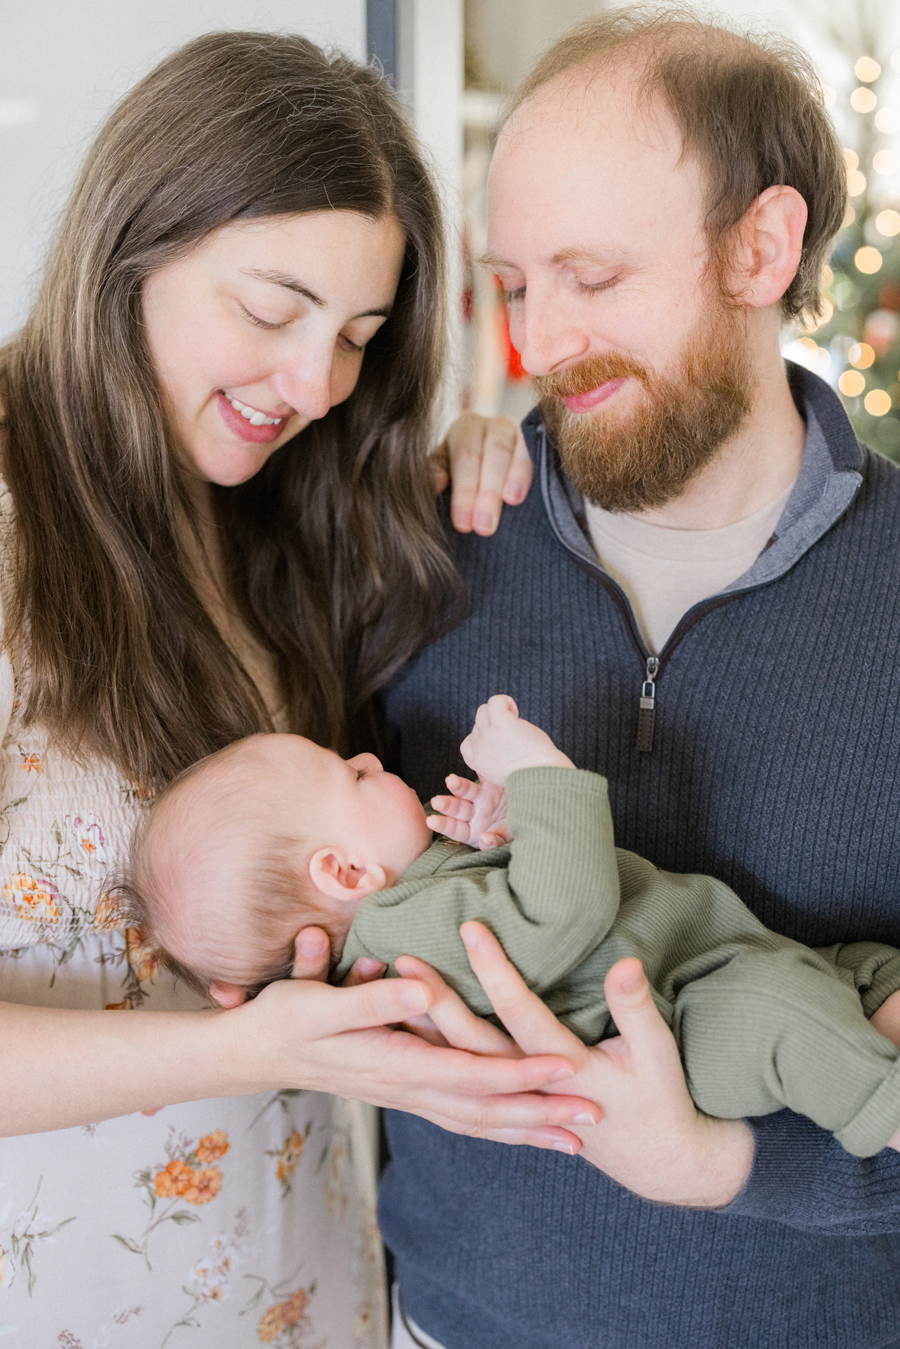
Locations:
803 1178
549 897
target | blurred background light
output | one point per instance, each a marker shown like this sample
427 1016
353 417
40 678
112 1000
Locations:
877 403
868 259
863 99
852 383
861 355
866 69
888 223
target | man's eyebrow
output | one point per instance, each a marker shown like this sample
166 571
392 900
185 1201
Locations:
491 260
581 255
291 283
566 255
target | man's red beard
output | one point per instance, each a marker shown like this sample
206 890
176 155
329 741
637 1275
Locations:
631 461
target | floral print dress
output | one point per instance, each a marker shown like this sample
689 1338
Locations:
220 1224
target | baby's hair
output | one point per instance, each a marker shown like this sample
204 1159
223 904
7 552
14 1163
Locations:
275 889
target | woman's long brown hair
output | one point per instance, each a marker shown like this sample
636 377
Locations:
335 556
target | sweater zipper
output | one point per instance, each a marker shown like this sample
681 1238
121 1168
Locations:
653 666
647 706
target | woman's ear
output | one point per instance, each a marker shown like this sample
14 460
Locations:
333 874
227 995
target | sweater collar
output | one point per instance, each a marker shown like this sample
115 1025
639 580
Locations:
829 479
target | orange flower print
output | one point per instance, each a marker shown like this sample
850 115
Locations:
30 762
108 914
282 1316
178 1180
4 1265
203 1186
173 1180
32 899
140 955
289 1156
212 1146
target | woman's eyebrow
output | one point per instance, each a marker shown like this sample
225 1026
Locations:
291 283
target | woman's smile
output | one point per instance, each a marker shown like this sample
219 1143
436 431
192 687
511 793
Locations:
248 422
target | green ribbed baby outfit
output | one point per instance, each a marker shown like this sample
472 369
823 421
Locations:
762 1022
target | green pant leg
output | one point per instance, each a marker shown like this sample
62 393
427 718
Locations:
774 1029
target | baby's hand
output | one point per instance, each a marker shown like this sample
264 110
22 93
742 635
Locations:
475 813
501 742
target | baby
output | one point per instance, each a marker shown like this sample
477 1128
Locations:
275 833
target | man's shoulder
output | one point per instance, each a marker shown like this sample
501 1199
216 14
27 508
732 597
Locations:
874 513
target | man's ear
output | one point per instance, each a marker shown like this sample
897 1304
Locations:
335 875
767 247
227 995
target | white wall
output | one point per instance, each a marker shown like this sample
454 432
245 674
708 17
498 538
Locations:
65 62
430 83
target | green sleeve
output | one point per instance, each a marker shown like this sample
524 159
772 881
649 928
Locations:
553 901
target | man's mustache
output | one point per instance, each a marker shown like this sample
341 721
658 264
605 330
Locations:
589 374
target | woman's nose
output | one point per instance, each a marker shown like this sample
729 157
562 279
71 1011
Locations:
306 383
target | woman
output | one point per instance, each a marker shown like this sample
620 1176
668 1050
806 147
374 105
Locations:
217 518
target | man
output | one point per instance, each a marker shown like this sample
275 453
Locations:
700 600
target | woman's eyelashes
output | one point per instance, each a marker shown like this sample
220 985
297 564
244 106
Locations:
347 342
262 323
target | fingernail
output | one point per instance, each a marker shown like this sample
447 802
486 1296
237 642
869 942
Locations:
470 940
309 945
515 494
369 965
484 523
414 998
584 1118
631 983
563 1074
564 1147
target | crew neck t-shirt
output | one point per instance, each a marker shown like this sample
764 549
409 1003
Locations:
664 572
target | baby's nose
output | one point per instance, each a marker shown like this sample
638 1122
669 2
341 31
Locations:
366 761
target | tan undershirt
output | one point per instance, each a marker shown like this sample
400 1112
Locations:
665 572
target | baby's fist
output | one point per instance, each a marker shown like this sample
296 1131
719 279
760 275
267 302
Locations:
500 742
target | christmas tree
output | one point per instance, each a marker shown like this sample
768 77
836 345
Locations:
855 344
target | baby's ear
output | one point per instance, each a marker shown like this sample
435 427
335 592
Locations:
334 875
227 995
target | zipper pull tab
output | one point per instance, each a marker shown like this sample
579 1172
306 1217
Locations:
647 713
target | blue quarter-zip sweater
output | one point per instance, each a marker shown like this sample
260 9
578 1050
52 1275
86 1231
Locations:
774 766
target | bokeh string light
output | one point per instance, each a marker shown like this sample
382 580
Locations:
854 340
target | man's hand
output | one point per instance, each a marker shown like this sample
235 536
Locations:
487 463
500 742
651 1139
474 813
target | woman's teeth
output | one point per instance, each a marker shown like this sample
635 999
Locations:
252 416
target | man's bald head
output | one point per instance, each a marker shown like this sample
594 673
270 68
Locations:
750 111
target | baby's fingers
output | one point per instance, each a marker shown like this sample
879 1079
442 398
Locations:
453 806
457 830
463 788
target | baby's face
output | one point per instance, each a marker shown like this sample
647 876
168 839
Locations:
350 802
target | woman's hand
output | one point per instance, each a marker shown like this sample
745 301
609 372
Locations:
651 1138
306 1033
487 463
